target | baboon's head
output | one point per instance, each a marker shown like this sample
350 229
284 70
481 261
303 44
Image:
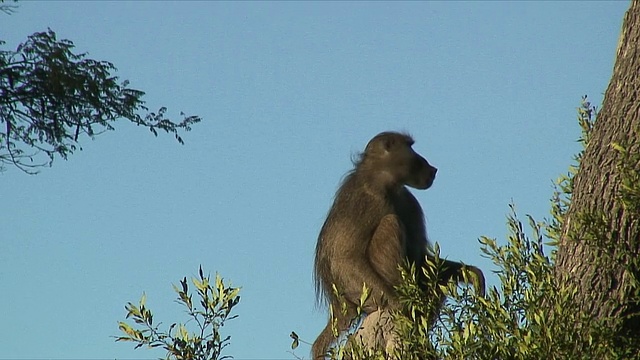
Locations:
392 154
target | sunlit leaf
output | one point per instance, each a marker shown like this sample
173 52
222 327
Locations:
296 340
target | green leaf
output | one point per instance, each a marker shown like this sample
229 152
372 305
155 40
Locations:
296 340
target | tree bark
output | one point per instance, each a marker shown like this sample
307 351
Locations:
599 243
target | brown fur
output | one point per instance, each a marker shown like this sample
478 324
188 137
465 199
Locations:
374 226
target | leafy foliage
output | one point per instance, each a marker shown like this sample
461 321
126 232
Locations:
532 315
50 96
587 115
217 300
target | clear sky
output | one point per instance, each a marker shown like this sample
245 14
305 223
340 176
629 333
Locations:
288 93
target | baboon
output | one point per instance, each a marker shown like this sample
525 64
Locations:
374 226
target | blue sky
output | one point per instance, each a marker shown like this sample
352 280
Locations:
289 92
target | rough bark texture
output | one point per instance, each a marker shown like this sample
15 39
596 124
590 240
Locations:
599 246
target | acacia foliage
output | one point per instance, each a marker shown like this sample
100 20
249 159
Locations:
530 314
51 96
208 314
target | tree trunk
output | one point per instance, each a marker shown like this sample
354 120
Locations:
599 246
